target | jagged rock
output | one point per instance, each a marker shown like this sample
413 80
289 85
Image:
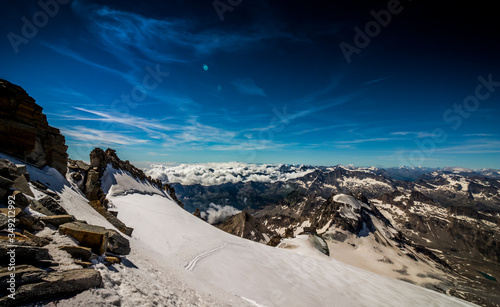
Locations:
21 184
4 236
5 183
4 221
58 220
29 222
22 170
39 241
275 240
95 237
78 165
76 176
78 252
197 213
84 264
246 226
93 186
52 205
20 200
26 254
96 204
55 284
112 260
118 244
25 132
24 274
8 169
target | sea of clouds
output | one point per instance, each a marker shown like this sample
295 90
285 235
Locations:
208 174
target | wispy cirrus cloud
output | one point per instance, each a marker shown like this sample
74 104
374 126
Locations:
97 136
248 86
478 146
164 40
415 134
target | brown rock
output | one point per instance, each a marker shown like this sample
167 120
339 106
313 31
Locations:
78 252
95 237
39 241
25 132
26 254
112 260
53 285
58 220
84 264
52 205
118 244
24 274
21 184
8 169
20 200
96 204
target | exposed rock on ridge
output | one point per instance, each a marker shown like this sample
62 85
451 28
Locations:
25 132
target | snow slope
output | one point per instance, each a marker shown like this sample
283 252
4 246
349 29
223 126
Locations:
177 259
266 275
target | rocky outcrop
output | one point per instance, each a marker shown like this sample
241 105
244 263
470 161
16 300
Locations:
95 237
53 285
246 226
25 132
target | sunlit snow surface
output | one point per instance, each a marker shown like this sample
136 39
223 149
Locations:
178 259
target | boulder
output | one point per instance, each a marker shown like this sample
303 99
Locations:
25 132
29 222
39 241
18 237
54 285
112 260
26 254
78 252
52 205
8 169
58 220
95 237
20 200
24 274
5 183
22 169
96 204
118 244
93 186
21 184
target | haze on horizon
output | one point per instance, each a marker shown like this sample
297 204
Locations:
384 83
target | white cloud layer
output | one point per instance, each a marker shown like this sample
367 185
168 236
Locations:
219 173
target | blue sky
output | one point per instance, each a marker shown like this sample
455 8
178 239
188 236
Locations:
171 82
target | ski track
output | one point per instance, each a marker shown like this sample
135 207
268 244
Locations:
190 266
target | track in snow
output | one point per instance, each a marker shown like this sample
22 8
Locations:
190 266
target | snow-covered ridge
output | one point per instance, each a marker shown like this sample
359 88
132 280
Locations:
208 174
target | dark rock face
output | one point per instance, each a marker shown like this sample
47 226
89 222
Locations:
53 285
246 226
25 132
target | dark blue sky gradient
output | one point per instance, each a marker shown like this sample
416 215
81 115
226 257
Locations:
268 84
